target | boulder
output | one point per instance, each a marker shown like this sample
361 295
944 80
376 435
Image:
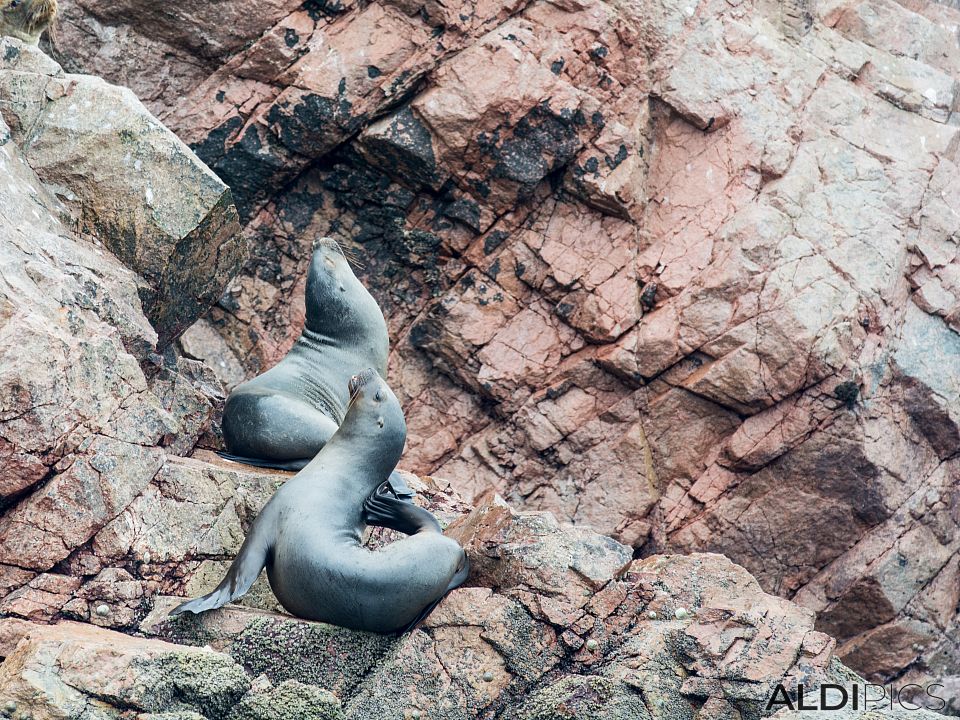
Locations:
127 180
90 409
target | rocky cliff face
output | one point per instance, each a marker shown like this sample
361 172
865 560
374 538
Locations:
684 272
87 401
113 237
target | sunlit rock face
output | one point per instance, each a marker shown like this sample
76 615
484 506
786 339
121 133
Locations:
96 277
683 272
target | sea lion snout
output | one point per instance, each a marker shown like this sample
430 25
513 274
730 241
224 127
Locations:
360 379
327 254
328 250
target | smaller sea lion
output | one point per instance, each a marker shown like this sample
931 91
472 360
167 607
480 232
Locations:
308 536
26 19
283 417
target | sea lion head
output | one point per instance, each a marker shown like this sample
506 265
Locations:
337 303
26 19
375 415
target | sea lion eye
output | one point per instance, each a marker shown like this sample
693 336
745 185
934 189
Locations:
379 397
13 4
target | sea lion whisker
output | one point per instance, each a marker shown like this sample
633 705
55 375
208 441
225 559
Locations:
354 394
352 257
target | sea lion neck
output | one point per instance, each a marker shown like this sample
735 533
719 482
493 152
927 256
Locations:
381 448
358 319
371 436
366 463
337 304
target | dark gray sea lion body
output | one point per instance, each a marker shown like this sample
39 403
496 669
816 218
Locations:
309 535
283 417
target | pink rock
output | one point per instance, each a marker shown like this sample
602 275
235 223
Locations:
686 275
42 598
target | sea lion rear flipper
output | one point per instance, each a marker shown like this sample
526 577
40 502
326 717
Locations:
240 577
292 465
455 582
384 508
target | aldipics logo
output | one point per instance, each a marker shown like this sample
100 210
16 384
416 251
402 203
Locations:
867 697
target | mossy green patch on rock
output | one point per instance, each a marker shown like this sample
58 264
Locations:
312 653
185 629
586 696
288 701
528 648
207 682
411 681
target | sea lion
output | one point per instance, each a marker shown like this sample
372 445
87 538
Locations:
308 535
283 417
26 19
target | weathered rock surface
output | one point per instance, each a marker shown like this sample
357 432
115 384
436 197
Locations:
89 410
76 670
555 620
682 272
503 234
129 181
664 637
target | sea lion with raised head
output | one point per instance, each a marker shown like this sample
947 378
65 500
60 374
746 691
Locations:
26 19
283 417
308 536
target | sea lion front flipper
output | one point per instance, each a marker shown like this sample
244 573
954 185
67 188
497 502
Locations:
463 572
240 577
398 486
421 617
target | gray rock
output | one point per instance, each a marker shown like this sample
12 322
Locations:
290 699
128 180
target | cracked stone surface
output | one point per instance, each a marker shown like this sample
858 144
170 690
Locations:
682 272
127 180
91 414
653 638
556 619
